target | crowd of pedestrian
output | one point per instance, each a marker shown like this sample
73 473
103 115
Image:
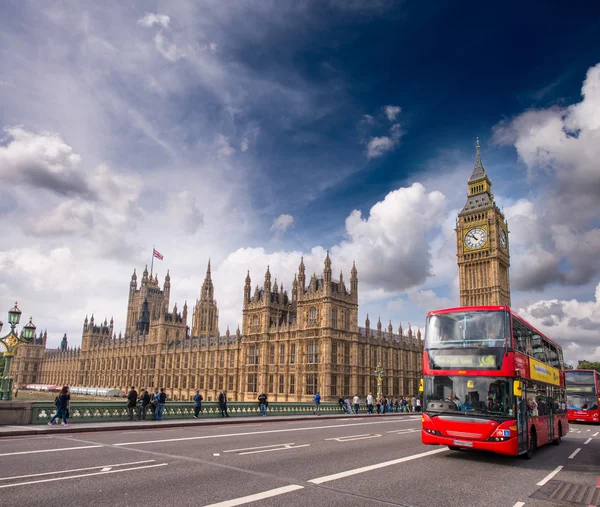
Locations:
381 405
138 404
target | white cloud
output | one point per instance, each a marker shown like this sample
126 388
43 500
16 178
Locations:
42 161
213 47
167 48
282 223
244 144
149 20
183 210
573 324
223 147
391 112
379 146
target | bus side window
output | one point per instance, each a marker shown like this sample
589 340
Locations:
518 338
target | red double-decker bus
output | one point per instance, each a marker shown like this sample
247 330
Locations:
583 395
491 382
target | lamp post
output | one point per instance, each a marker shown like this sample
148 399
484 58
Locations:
379 374
11 342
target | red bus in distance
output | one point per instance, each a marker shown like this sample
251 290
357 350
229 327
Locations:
491 382
583 395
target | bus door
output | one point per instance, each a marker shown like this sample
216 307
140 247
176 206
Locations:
550 412
522 429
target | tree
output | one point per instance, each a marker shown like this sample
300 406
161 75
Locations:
589 365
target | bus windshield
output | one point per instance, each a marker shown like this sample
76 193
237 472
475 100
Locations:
581 390
469 329
489 396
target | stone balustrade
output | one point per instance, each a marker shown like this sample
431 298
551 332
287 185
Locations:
106 411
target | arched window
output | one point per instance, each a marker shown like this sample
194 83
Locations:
313 315
334 315
255 322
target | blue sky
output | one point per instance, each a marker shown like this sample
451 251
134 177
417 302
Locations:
255 132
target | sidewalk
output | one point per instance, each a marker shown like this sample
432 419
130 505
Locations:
34 429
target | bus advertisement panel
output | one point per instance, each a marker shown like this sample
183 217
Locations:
583 395
491 382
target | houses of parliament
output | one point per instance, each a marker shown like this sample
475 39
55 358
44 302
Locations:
290 345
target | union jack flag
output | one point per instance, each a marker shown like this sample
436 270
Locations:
157 254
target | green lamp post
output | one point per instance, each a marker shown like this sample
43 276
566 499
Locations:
379 374
11 342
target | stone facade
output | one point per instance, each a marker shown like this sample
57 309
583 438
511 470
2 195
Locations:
482 246
289 346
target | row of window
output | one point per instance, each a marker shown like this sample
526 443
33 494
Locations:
529 342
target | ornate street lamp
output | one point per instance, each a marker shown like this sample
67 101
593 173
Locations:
379 374
11 342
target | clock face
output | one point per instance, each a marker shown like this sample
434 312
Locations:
475 238
503 239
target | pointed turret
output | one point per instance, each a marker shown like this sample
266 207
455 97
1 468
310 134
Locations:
400 331
145 275
354 282
295 289
379 325
133 284
227 334
64 343
301 277
247 289
208 290
342 287
390 329
479 194
267 284
327 269
367 322
419 341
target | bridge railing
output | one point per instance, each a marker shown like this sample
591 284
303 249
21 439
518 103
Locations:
107 411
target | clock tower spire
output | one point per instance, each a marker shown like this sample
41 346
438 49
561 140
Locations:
482 244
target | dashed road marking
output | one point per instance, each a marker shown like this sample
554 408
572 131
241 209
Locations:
587 441
550 475
351 438
574 453
258 496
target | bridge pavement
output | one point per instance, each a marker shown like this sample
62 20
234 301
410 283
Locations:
357 461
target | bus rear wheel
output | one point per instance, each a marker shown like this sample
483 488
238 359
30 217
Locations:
558 439
532 445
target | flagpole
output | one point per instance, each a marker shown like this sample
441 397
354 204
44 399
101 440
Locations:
152 263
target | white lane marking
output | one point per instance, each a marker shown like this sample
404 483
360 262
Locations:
259 447
596 434
351 438
82 475
519 504
51 450
574 453
550 475
587 441
216 454
258 496
75 470
406 430
271 450
224 435
106 469
348 473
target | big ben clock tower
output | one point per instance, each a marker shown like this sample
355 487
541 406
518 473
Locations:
482 244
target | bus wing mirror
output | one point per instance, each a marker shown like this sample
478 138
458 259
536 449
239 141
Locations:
517 388
421 389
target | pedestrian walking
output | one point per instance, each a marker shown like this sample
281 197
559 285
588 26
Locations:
132 397
342 404
197 403
356 403
370 404
162 399
154 404
62 407
223 403
262 401
145 401
317 399
418 404
347 403
413 404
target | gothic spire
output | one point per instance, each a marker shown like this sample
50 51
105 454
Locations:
478 170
